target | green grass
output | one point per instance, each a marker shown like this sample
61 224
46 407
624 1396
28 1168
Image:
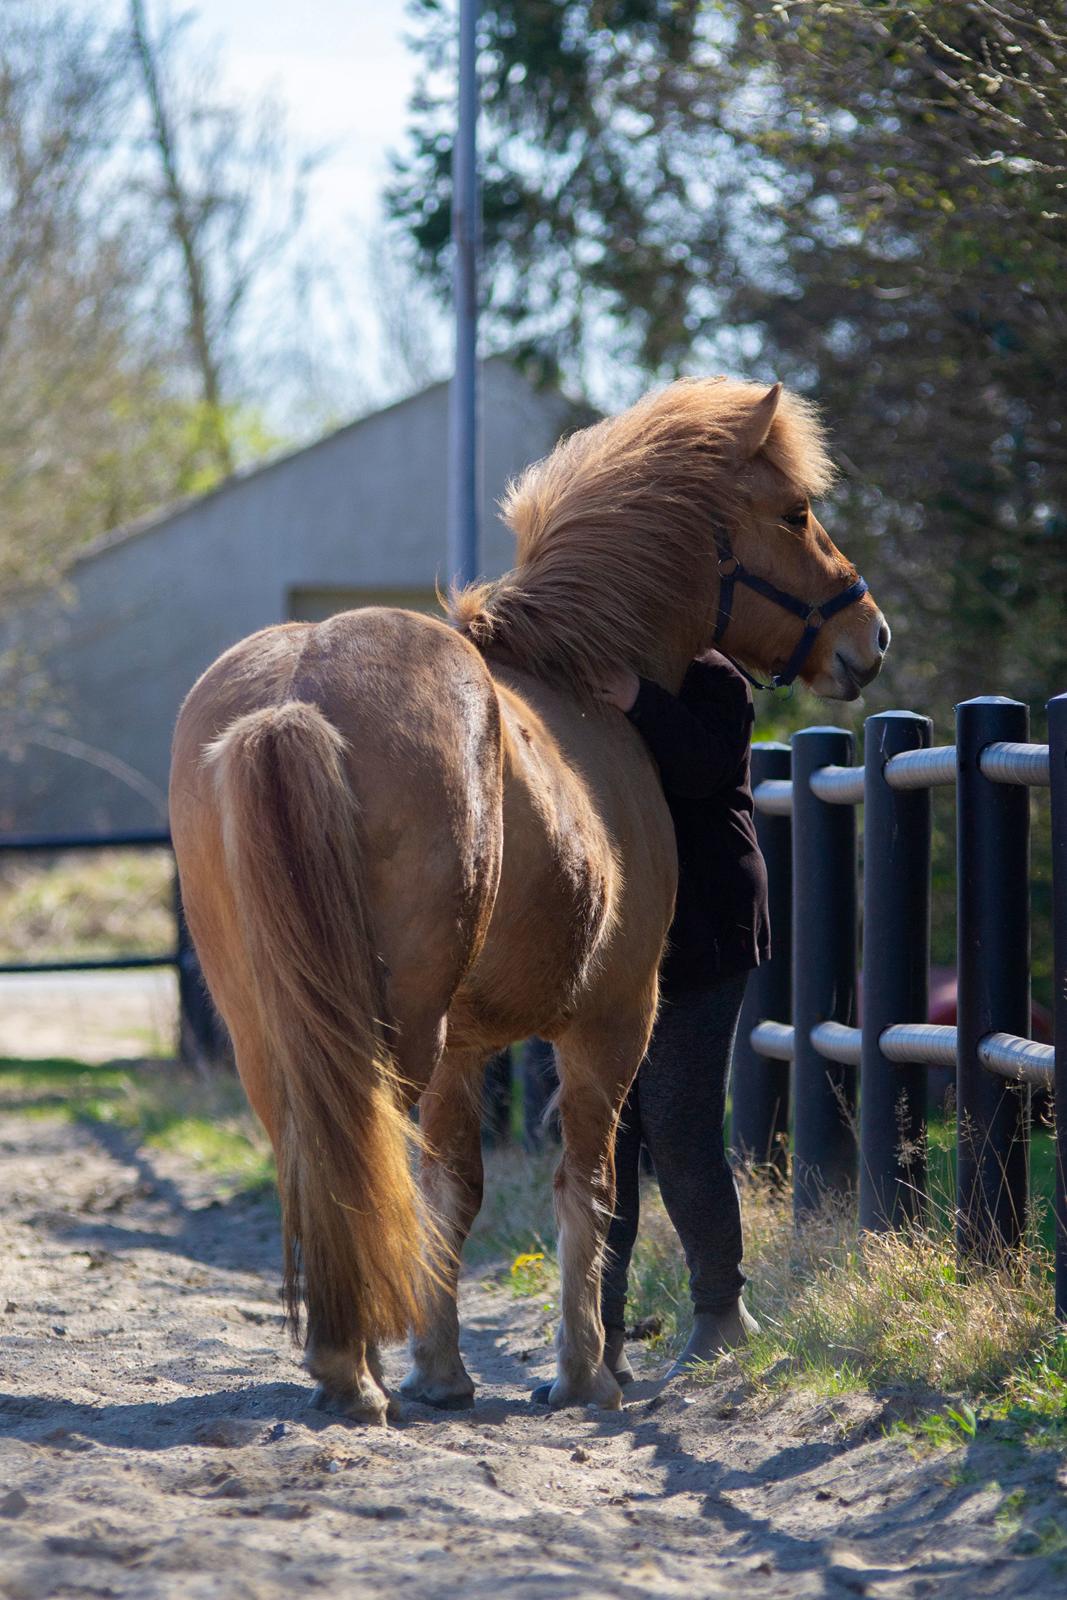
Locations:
1032 1403
946 1429
166 1108
941 1172
56 1086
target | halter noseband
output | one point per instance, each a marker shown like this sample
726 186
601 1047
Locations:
731 573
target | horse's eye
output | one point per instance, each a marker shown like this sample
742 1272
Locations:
796 517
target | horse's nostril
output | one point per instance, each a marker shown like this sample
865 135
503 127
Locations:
884 637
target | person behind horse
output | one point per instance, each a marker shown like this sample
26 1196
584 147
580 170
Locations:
701 743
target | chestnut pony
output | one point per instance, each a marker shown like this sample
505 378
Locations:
404 843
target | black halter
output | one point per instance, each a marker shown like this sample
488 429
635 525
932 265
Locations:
731 573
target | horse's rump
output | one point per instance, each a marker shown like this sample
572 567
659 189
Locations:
419 717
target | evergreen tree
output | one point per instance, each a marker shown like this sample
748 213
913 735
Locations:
863 197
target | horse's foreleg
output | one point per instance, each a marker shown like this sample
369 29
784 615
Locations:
451 1179
597 1065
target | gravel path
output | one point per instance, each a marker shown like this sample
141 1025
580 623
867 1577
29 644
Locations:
155 1439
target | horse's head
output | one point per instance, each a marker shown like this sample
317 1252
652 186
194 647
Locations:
775 542
682 522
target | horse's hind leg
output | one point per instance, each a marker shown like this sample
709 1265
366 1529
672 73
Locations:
451 1181
597 1065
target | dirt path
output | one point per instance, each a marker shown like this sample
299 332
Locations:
94 1016
155 1440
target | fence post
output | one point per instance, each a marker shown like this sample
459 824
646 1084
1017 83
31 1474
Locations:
1057 760
202 1038
993 939
759 1125
496 1099
896 973
824 970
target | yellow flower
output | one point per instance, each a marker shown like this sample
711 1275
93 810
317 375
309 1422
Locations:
520 1263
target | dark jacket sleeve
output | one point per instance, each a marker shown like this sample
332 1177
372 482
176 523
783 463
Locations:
700 740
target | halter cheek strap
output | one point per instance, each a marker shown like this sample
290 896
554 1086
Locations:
731 573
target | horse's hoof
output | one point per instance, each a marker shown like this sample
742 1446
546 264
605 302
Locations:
441 1396
604 1392
370 1410
440 1402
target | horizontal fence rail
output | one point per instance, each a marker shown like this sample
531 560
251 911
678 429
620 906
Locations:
774 796
922 769
116 963
56 843
137 839
201 1036
1024 1060
915 1044
838 786
1008 762
836 1042
921 1044
1004 762
991 765
773 1040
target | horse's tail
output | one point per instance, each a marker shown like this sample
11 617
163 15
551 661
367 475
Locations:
357 1243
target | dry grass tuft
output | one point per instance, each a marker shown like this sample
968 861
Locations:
841 1310
838 1310
79 904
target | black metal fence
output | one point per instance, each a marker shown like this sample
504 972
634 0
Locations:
201 1038
801 1007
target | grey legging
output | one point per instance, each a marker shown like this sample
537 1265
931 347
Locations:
676 1108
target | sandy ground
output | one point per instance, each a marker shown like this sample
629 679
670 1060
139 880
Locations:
93 1016
155 1439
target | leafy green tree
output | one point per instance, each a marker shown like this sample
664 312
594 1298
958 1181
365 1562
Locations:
223 199
84 412
134 239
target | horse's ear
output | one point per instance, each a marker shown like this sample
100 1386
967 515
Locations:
756 425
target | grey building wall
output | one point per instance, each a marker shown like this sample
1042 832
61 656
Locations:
358 516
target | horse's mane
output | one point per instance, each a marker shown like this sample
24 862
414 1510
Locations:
615 523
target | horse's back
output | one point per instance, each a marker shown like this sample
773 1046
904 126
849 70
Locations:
365 669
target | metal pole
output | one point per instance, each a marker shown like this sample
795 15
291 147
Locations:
1057 766
463 399
824 970
202 1039
759 1128
993 939
896 973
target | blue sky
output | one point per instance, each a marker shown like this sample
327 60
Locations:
343 73
340 66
